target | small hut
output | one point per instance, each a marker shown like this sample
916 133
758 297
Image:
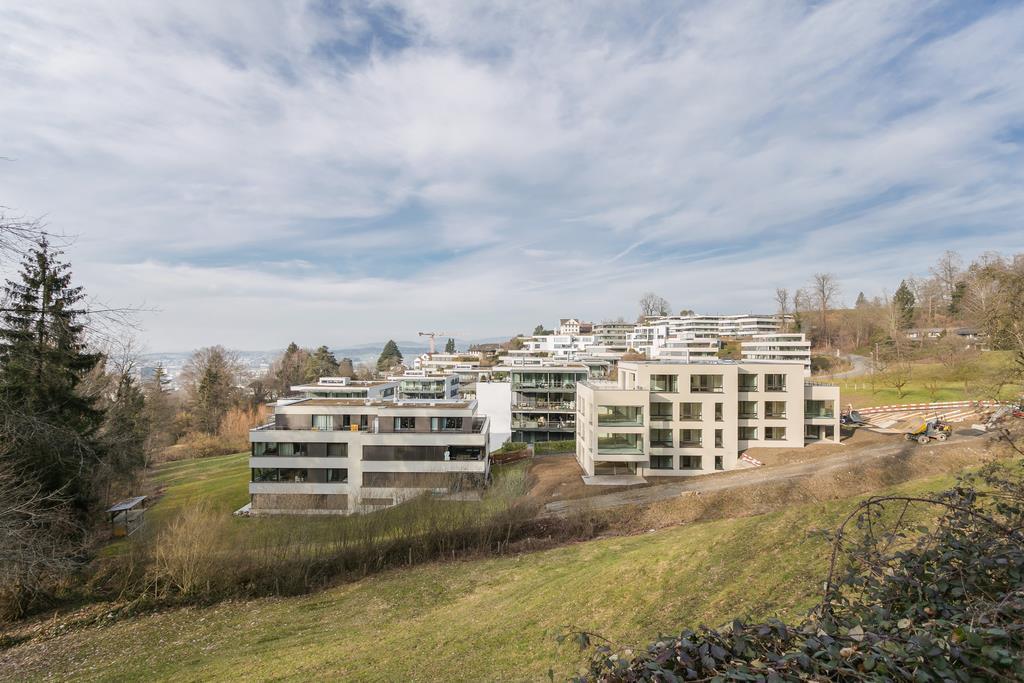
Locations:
127 516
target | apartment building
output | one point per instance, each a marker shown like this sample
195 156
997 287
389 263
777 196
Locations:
543 398
744 325
422 385
468 366
564 347
686 348
779 347
342 455
344 387
666 418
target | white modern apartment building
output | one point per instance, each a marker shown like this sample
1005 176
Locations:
779 347
558 346
542 398
469 366
421 385
664 418
344 387
687 348
744 325
340 456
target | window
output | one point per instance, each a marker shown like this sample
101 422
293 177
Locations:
291 449
264 474
706 384
661 462
719 409
774 433
337 476
719 462
405 424
690 411
690 437
775 409
689 462
748 410
719 439
620 443
661 438
661 411
819 408
323 423
774 382
337 450
748 382
748 434
620 415
446 424
669 383
260 449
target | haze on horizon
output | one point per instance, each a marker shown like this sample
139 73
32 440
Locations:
336 173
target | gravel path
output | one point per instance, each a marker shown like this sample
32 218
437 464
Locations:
747 477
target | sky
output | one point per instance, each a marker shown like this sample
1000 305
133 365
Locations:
337 173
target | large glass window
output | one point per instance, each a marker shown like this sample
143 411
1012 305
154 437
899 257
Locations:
719 417
446 424
774 433
661 462
748 410
261 449
775 409
691 412
773 382
661 438
337 476
337 450
719 439
690 462
661 410
748 382
747 433
620 443
689 438
405 424
260 474
620 415
706 384
323 423
669 383
819 409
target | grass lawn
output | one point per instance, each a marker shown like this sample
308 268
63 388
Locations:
490 619
930 382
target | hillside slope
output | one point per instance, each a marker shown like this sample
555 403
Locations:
490 619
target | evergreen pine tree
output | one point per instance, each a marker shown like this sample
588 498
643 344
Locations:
449 347
904 302
321 363
389 357
126 432
862 301
43 359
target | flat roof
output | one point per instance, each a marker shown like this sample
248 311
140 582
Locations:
126 504
376 403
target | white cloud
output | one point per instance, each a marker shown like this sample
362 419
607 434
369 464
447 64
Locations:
263 171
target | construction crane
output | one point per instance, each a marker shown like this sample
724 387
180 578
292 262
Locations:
432 335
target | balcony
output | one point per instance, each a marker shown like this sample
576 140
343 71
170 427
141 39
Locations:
552 406
620 444
546 425
620 416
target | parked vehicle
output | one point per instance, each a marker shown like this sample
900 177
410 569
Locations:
932 429
851 417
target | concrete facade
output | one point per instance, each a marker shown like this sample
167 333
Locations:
665 418
341 456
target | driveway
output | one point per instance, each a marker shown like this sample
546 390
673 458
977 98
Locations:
745 477
861 366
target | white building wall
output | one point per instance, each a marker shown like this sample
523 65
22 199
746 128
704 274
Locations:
494 399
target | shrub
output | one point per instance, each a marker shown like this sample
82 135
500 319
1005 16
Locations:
943 602
511 447
548 447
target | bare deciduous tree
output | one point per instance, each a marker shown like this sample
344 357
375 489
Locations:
651 304
825 290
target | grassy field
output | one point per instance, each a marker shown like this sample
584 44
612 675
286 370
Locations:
930 382
491 619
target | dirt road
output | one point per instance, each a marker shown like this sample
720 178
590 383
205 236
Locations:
753 476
